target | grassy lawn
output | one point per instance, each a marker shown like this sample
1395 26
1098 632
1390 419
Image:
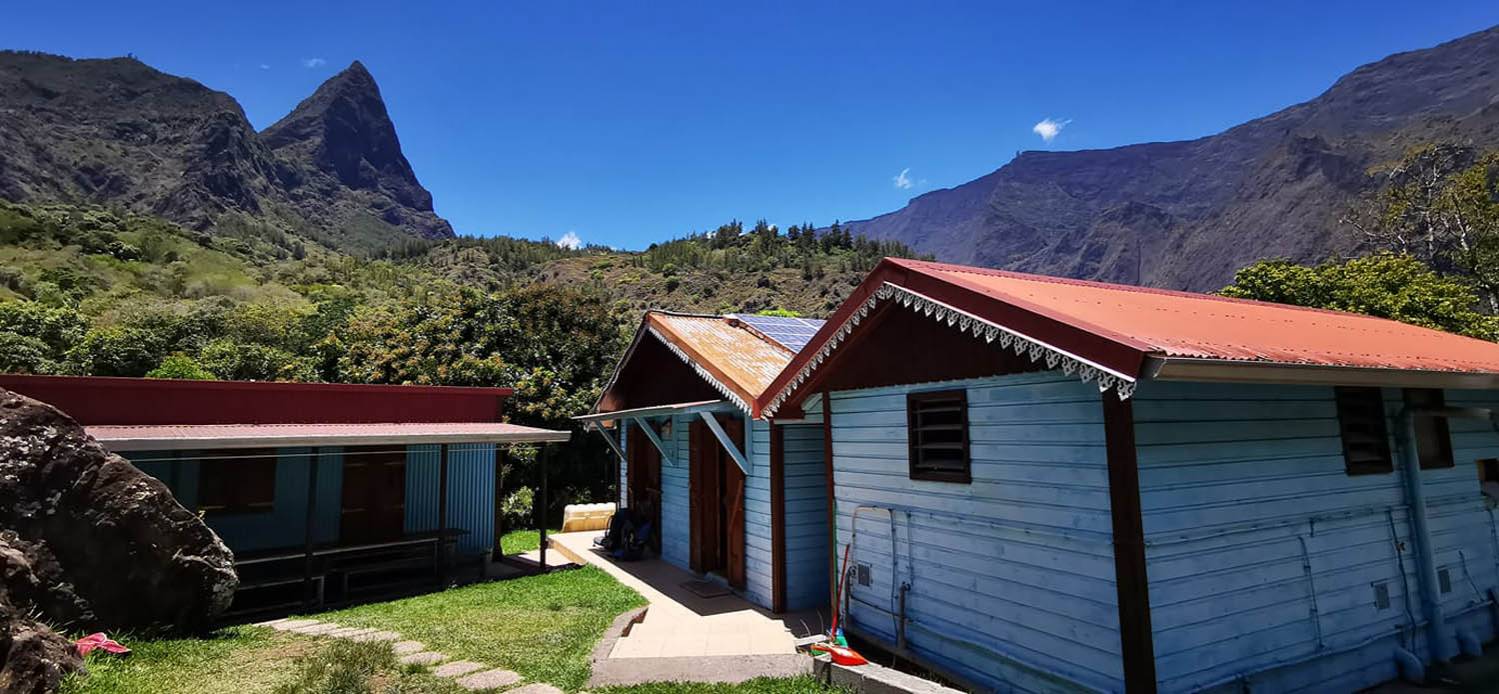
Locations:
518 541
246 660
543 627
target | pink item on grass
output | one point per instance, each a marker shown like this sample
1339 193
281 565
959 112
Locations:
100 641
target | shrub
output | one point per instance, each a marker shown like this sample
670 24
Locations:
180 366
518 508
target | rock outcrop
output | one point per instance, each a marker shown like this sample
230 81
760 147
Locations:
107 546
33 658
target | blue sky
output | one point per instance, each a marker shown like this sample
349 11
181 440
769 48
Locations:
627 123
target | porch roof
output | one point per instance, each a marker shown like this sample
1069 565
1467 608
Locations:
217 436
655 411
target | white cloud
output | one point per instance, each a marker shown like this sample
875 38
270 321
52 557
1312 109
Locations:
313 62
903 180
264 66
570 241
1049 128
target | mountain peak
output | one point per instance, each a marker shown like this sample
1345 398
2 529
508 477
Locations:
344 132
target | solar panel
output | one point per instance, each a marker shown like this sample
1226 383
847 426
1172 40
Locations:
793 333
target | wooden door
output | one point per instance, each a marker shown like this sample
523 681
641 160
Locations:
645 479
704 483
374 497
717 502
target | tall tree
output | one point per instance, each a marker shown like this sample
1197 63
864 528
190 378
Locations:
1387 285
1441 205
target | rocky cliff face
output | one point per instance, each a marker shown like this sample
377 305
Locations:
119 132
1186 215
341 143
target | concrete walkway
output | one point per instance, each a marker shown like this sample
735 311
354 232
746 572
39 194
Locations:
682 636
472 676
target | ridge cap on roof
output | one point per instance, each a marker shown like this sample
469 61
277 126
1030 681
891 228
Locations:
1180 293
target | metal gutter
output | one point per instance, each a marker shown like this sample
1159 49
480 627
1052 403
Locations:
1227 371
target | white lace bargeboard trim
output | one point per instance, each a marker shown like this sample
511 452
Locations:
966 322
707 376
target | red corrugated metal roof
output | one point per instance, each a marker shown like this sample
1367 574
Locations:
1183 324
1126 331
209 436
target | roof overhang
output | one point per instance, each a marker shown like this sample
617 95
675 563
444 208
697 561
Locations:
221 436
1226 371
659 410
1103 360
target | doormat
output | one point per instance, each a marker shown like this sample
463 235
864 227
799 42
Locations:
706 589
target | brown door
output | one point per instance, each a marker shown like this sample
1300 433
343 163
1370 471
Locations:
733 504
374 496
645 480
717 502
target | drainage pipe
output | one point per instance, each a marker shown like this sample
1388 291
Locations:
1426 565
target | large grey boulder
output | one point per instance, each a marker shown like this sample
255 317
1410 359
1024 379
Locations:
110 547
34 659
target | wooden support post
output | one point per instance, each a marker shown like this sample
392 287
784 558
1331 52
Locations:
544 458
650 433
777 517
499 496
442 510
310 531
728 443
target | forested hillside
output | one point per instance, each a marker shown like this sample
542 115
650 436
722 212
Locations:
86 290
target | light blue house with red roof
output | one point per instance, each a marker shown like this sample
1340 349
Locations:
1056 485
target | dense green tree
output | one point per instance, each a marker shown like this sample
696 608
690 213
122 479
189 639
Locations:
180 366
1387 285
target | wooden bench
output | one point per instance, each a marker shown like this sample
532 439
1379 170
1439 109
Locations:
430 555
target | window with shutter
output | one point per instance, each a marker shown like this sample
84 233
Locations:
937 429
237 481
1366 442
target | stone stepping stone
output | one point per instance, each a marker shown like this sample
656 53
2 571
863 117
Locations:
423 658
536 688
290 624
408 647
272 623
316 629
458 667
350 632
377 636
489 679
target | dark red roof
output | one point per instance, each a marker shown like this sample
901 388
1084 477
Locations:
100 400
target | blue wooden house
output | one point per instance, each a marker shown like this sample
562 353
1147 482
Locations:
734 497
1056 485
324 492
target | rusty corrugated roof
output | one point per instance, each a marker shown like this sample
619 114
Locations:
739 358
